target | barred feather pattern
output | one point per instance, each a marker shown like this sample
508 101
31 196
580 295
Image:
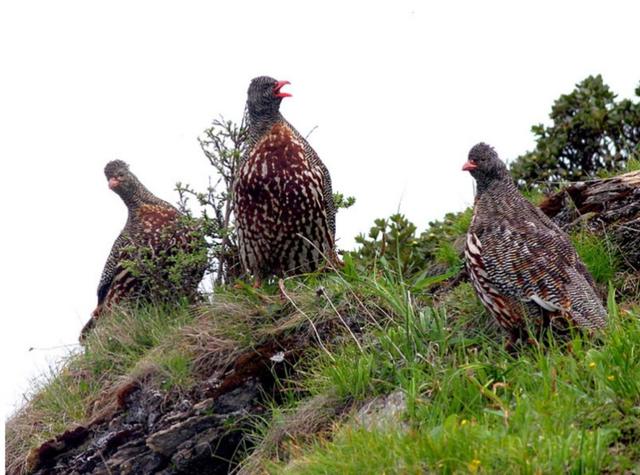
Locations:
155 227
524 267
283 203
259 128
501 307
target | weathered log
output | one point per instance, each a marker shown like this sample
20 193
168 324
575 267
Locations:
610 205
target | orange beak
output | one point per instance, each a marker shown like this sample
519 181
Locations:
278 86
469 166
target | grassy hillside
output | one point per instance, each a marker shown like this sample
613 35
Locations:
568 407
393 366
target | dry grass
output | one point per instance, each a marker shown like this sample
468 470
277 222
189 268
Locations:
153 346
171 349
289 430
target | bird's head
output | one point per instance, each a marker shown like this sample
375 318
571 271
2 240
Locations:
120 178
484 164
264 96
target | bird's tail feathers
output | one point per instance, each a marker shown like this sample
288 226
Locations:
587 310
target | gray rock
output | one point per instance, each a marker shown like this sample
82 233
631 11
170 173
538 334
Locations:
166 441
383 412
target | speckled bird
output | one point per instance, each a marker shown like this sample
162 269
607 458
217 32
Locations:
283 202
154 230
522 265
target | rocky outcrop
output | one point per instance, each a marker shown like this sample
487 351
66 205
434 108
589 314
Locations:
146 433
143 436
202 432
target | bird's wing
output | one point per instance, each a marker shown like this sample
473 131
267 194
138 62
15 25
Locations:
529 261
111 266
548 222
327 189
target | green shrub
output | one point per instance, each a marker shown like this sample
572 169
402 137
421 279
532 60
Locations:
591 132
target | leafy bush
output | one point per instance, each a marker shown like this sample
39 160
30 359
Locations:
392 245
591 132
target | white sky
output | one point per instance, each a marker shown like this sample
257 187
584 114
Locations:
399 91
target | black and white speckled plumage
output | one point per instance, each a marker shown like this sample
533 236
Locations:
283 200
522 265
152 224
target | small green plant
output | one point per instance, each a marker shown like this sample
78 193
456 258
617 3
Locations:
533 194
632 165
223 144
343 202
448 255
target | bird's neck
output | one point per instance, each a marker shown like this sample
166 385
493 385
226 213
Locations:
261 124
139 197
497 187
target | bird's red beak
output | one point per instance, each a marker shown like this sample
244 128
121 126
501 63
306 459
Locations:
278 86
469 166
113 183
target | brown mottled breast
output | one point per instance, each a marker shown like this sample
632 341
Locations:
278 155
278 198
153 220
155 216
278 178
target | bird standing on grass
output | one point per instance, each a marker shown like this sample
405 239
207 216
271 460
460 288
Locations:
283 202
144 262
522 265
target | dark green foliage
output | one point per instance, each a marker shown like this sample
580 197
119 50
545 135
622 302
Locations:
591 132
343 202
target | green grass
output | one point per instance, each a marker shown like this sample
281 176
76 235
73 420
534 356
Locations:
176 370
447 254
460 222
129 343
165 347
599 255
568 407
632 165
534 195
